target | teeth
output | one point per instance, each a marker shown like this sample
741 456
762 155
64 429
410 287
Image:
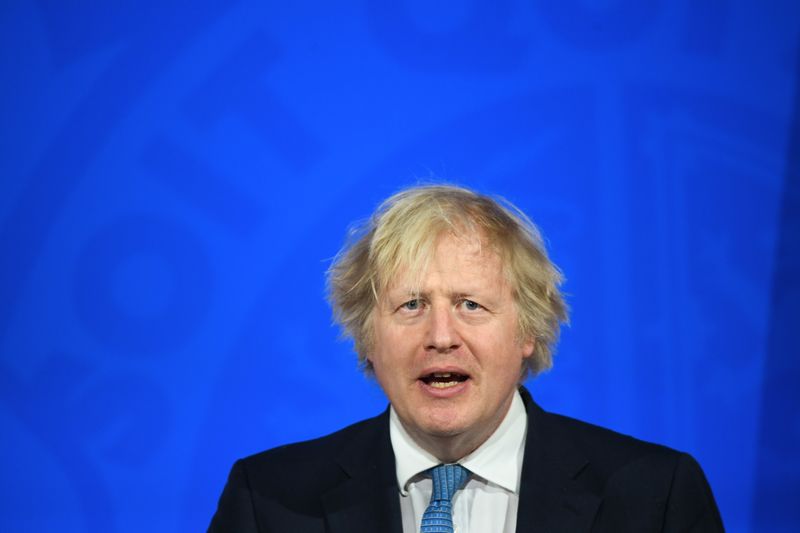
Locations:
442 374
443 384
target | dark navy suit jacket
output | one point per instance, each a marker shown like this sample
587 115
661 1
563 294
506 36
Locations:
576 477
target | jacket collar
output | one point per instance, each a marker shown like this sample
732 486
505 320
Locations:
367 499
553 494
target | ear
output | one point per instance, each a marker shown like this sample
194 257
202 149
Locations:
366 361
527 347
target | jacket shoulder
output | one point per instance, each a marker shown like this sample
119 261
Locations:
642 483
280 489
609 450
310 466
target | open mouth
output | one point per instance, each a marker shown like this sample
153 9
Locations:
443 380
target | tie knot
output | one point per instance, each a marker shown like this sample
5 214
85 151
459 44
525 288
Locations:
447 479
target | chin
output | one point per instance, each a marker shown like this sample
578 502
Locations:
444 426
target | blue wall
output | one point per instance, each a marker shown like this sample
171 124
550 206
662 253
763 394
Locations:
177 175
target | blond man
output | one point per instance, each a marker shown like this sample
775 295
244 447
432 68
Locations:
452 302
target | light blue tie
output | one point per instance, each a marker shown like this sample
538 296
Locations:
447 479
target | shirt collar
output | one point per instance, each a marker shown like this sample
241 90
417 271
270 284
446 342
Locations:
498 460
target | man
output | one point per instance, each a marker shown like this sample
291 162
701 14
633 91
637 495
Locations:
452 302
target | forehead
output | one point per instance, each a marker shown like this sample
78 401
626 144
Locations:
455 262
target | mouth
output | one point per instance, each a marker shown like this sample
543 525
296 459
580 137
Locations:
443 380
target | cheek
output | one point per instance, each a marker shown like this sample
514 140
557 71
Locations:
390 347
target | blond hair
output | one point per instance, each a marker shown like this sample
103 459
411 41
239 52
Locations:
402 234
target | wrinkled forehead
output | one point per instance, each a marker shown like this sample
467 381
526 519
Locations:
467 256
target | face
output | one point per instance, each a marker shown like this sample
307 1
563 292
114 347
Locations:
449 356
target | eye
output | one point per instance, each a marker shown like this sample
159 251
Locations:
470 305
411 305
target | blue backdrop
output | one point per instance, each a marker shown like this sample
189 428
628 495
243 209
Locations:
177 175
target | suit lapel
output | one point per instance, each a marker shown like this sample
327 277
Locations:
367 500
553 494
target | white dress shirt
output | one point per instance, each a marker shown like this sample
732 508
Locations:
488 502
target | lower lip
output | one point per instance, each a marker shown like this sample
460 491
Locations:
444 392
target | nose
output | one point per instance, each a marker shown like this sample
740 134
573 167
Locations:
442 334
